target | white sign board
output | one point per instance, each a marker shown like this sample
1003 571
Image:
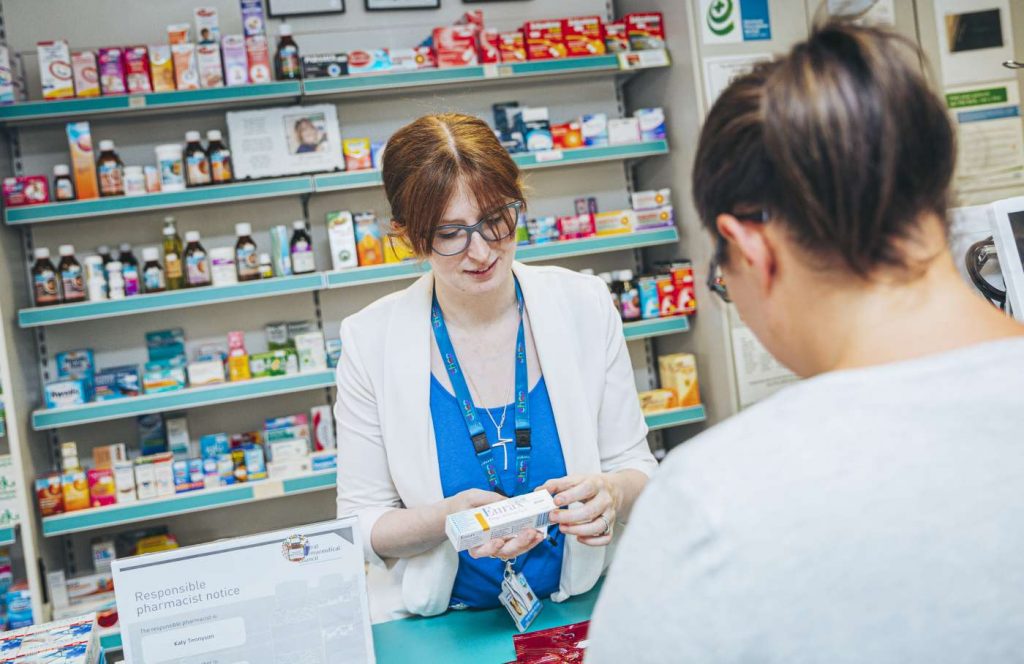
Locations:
272 142
758 374
296 595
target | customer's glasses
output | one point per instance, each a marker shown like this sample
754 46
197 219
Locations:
716 282
453 239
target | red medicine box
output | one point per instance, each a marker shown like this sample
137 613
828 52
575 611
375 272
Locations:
488 47
576 226
615 39
567 135
136 66
646 31
584 35
512 46
456 45
544 40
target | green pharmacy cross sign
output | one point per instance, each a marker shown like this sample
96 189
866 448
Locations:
720 17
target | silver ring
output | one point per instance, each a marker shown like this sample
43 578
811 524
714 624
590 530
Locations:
607 526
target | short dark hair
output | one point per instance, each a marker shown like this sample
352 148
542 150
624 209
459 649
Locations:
842 140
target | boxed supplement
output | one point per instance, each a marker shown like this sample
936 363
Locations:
542 229
326 65
136 67
76 364
161 68
152 434
287 422
652 123
506 518
614 223
488 47
206 372
298 431
212 445
6 77
285 468
651 200
253 21
102 489
86 74
178 441
333 352
456 45
583 35
575 226
645 31
255 465
368 239
83 160
61 393
75 485
111 65
186 68
295 328
365 62
165 344
283 450
211 75
117 383
650 304
323 428
207 26
311 351
178 33
512 46
654 401
544 40
164 376
412 59
277 335
357 154
615 38
183 477
622 131
163 474
145 481
26 190
678 373
236 66
105 456
55 69
567 135
274 363
662 217
341 234
124 481
586 205
324 460
49 494
533 124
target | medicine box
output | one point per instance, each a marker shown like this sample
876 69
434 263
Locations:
236 67
110 61
323 428
117 383
368 239
257 54
145 481
614 223
102 488
6 77
255 465
49 494
205 372
456 46
583 35
124 481
662 217
678 373
622 131
363 62
325 65
651 199
652 123
161 68
324 460
283 450
75 485
512 46
136 68
165 344
645 31
544 40
341 234
506 518
311 351
280 362
62 393
55 69
105 456
300 431
357 154
211 74
152 434
26 190
178 441
293 467
186 67
253 21
213 445
165 376
76 364
86 74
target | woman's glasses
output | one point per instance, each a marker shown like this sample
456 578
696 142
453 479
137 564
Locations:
716 282
453 239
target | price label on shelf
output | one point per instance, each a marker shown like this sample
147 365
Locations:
491 71
643 59
549 155
137 101
267 489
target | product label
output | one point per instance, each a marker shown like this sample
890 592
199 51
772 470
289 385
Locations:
197 269
63 190
172 263
154 278
630 303
171 173
111 178
71 280
46 288
302 258
131 280
220 166
288 56
248 262
198 168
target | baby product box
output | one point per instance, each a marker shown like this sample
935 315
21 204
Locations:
55 69
236 66
186 67
161 68
83 160
211 74
341 235
136 67
506 518
26 190
257 53
111 63
86 74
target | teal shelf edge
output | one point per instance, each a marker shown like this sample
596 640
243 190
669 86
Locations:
393 80
238 191
189 297
593 155
594 245
111 642
195 397
7 536
676 417
561 66
359 276
343 181
70 109
656 327
184 503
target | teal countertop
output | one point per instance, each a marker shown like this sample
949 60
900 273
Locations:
477 637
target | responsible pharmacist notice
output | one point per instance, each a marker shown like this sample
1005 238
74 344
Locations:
288 596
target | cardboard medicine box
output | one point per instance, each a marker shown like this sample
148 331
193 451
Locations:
505 518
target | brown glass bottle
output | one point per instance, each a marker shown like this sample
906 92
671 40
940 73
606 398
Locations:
286 61
45 282
72 279
247 260
221 169
197 162
110 170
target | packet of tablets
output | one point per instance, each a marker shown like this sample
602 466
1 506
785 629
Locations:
506 518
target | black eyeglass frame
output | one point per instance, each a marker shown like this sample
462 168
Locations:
515 206
716 283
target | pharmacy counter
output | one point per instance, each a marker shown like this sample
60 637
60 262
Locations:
477 637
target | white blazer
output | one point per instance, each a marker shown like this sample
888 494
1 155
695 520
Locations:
387 456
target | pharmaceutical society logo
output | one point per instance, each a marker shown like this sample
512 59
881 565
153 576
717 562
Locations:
721 17
295 548
735 21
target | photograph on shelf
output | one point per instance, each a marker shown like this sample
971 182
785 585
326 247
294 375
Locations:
285 141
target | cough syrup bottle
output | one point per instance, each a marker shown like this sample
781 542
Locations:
303 261
111 170
197 262
173 259
152 274
221 170
130 270
71 278
45 284
197 162
247 261
286 60
63 185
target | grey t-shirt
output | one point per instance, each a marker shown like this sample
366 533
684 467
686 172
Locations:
870 515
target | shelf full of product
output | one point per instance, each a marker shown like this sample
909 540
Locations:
221 71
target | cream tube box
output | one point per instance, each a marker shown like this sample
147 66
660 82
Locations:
506 518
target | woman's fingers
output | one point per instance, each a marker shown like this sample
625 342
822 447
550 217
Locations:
584 513
520 544
597 527
578 493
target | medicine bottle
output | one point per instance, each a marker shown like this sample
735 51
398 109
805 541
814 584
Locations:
174 269
63 185
301 245
104 252
222 266
95 278
115 281
247 261
266 267
45 283
629 299
152 273
197 162
286 60
221 170
110 169
130 270
238 357
71 279
197 262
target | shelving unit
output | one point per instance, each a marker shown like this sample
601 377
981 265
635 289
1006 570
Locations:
7 536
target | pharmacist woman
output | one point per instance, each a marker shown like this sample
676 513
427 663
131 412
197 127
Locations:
537 356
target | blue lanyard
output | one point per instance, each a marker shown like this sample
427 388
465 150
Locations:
481 446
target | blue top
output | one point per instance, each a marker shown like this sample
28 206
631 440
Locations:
478 582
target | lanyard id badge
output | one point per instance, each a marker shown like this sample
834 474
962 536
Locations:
519 599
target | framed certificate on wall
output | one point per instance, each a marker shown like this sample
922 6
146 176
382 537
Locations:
387 5
304 7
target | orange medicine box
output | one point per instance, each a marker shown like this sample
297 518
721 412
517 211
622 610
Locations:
75 486
186 68
83 160
357 154
686 293
49 494
368 239
544 40
567 135
512 46
584 35
678 372
161 68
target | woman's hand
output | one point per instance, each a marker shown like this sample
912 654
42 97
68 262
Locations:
505 548
470 499
592 521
